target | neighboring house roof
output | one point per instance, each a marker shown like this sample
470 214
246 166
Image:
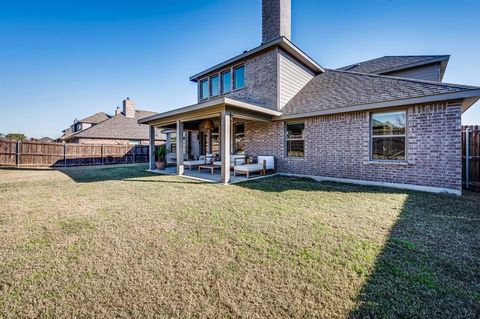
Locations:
45 139
342 91
66 133
96 118
282 42
120 127
393 63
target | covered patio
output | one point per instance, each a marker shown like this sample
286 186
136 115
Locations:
205 129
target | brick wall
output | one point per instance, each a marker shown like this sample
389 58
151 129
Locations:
339 146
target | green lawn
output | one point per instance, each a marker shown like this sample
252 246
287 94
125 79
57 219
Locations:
120 242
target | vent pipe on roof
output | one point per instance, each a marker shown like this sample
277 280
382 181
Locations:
276 19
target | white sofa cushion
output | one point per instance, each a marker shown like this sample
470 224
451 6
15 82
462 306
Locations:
249 167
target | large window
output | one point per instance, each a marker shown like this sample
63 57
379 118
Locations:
204 89
239 138
295 140
238 77
215 85
226 81
388 136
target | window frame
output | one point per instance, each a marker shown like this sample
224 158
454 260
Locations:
287 139
238 66
210 86
205 80
372 137
222 88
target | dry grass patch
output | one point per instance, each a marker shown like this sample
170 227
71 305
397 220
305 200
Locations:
120 242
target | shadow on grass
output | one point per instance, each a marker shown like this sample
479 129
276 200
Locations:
428 267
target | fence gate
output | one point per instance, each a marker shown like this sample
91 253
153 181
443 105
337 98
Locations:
471 157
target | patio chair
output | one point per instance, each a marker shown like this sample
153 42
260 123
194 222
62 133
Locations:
264 163
234 160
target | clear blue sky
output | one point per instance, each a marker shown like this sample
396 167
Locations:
61 60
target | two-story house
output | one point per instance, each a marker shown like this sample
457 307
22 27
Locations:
120 128
387 121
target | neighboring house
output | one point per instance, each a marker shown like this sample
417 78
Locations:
121 128
45 139
387 121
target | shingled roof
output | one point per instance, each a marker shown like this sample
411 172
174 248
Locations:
96 118
120 127
336 91
391 63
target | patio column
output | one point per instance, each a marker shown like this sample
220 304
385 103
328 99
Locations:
225 141
151 148
179 147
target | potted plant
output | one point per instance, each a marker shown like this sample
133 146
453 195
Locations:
161 157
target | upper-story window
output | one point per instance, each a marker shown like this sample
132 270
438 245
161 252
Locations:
239 77
388 136
214 85
204 89
226 81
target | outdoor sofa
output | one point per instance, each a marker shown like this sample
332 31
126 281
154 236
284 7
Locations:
263 164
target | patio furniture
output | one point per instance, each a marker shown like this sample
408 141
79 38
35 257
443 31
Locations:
234 160
211 167
264 164
203 159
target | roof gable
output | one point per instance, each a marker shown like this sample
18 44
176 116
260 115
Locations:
282 42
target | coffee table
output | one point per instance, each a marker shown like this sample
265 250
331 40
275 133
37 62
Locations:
211 167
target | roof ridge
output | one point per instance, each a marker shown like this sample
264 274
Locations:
467 87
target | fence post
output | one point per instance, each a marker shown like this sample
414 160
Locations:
101 155
65 154
134 149
467 157
17 159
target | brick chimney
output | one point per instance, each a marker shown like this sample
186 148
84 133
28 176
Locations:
129 107
276 19
117 111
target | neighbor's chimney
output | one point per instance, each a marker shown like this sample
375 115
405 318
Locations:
129 107
117 111
276 19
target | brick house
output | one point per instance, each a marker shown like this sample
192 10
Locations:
388 121
105 129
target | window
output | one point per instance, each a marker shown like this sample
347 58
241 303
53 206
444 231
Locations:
204 89
295 140
173 142
238 77
226 81
215 140
214 85
239 138
388 136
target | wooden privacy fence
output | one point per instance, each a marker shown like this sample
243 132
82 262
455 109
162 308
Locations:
57 154
471 157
